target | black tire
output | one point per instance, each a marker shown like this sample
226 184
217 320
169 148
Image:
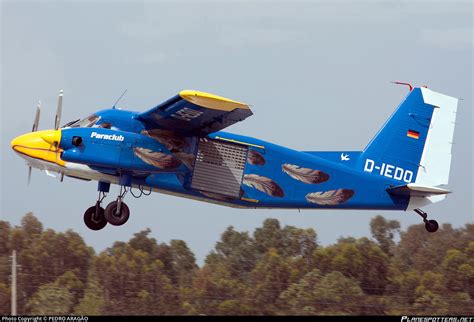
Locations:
431 226
92 221
114 219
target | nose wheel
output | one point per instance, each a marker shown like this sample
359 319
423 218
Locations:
430 225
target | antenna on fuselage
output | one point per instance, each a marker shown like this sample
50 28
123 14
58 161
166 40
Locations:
118 100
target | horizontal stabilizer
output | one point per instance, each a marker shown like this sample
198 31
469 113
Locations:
414 190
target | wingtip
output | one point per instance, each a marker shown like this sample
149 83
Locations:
195 96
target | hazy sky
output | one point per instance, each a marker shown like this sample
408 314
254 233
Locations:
316 74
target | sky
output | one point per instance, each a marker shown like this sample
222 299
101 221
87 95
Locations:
316 74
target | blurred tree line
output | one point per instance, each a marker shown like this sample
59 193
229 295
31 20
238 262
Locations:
276 270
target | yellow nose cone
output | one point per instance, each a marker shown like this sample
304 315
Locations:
52 137
42 145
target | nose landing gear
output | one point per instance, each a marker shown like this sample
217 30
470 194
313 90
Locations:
430 225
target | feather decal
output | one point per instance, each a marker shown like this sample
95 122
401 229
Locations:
331 197
169 139
160 160
263 184
305 175
186 158
255 158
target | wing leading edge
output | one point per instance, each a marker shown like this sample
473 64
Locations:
195 113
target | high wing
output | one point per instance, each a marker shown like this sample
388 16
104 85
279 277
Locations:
195 113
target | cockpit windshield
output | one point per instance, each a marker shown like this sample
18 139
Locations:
89 121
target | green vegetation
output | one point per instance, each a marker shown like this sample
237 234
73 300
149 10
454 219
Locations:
274 271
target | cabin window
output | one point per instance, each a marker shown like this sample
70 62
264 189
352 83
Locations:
105 125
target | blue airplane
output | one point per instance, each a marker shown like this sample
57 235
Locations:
178 148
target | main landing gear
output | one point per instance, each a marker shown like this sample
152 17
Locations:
116 213
430 225
94 216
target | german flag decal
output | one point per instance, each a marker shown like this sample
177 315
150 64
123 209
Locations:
413 134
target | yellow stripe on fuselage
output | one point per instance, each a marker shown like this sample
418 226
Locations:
249 200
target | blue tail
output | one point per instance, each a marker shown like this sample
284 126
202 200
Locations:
396 150
413 146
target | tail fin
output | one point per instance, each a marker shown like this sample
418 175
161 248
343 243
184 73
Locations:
414 145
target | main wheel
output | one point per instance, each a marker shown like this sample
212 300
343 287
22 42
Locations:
95 221
117 219
431 226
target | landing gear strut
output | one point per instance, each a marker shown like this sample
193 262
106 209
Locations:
94 216
430 225
117 212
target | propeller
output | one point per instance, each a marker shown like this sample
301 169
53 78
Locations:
59 109
29 174
37 117
57 121
34 129
57 118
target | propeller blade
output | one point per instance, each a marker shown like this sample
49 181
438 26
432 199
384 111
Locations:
29 175
37 117
34 129
57 119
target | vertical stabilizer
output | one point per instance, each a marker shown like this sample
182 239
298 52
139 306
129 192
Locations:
414 145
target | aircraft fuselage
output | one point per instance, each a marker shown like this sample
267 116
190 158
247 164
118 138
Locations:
221 167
